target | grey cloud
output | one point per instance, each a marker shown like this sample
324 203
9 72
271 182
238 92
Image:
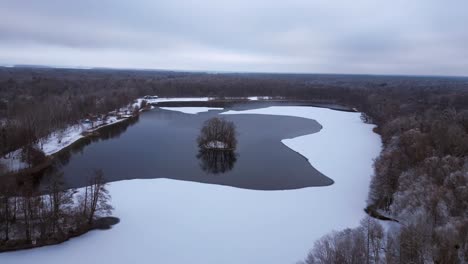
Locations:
334 36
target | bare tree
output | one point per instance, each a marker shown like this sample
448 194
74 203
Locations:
60 201
143 104
27 210
374 235
347 246
7 200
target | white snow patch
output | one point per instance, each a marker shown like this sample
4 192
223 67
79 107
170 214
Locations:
137 102
344 140
191 110
12 161
168 221
257 98
216 145
62 139
59 140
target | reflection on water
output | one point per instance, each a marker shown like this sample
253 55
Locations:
215 161
104 133
216 145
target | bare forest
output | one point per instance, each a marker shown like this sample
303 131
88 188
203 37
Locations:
420 180
31 216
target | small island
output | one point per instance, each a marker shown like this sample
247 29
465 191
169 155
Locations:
217 143
217 134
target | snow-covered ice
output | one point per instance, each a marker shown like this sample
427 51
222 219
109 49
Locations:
191 110
192 99
171 99
169 221
344 146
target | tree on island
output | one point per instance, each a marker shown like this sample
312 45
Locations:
217 143
218 133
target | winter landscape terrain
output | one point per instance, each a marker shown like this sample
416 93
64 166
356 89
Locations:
234 131
419 127
212 224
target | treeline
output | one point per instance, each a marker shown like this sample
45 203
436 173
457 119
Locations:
421 176
37 101
30 217
420 180
360 245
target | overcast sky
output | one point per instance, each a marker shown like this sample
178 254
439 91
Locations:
417 37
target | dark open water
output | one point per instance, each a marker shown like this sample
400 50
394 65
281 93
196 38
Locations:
162 144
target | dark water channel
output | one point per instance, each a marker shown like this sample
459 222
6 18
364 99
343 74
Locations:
162 144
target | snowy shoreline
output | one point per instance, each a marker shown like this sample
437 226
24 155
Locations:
202 223
59 140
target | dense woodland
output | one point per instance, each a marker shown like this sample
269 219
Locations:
31 216
36 101
420 181
421 176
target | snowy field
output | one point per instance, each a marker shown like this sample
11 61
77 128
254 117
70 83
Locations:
168 221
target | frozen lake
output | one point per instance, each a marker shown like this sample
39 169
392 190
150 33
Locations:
172 221
162 144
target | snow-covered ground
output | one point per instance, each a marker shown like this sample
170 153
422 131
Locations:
53 144
56 141
191 110
62 139
168 221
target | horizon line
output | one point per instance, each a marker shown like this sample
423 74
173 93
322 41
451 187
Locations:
67 67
